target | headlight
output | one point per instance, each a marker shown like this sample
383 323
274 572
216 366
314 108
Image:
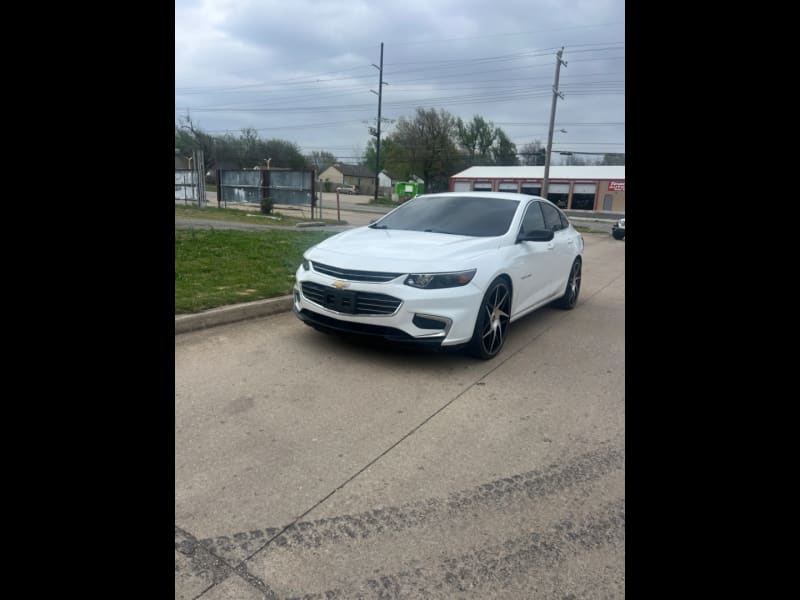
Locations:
433 281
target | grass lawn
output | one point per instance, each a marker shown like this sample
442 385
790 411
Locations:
220 267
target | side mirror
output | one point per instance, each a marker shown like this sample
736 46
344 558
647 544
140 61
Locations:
536 235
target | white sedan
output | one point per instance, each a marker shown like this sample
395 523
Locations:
450 269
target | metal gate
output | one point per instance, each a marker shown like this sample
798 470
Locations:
291 187
240 186
252 186
190 184
186 185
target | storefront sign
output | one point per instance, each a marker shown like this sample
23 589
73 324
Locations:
616 186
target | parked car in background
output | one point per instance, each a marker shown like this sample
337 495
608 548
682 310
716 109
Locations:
618 230
452 270
348 189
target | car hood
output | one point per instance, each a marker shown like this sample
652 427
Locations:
399 251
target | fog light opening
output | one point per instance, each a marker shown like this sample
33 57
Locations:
428 322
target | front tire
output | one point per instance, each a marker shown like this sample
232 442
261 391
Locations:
570 297
491 326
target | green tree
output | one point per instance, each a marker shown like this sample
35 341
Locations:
476 139
504 151
255 152
370 153
424 146
482 143
245 151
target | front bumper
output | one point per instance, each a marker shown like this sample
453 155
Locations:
443 317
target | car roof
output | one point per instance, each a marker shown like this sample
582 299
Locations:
497 195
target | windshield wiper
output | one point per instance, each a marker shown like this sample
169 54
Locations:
378 226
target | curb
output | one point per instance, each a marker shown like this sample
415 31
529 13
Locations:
231 314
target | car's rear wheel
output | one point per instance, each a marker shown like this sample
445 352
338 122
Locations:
570 297
491 326
619 234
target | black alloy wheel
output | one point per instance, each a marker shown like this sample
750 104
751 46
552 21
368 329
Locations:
570 297
491 327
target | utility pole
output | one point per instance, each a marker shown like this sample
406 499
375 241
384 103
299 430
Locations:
556 96
378 145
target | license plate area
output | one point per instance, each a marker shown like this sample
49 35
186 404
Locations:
343 301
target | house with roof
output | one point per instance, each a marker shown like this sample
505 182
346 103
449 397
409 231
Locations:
181 161
340 173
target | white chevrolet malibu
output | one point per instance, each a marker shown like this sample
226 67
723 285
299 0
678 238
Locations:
450 269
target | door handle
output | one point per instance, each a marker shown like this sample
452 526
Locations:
550 246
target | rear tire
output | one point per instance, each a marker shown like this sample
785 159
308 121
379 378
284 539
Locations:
491 326
570 297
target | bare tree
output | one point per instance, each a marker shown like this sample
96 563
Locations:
320 160
533 154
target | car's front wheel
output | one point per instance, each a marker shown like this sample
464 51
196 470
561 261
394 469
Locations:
491 326
570 297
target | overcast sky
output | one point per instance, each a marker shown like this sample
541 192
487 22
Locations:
302 70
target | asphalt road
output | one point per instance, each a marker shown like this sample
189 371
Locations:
314 466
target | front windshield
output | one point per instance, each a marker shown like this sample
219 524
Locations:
457 215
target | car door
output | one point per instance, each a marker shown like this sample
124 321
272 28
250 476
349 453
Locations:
563 246
534 265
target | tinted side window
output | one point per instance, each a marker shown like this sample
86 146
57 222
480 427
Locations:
533 218
564 220
551 219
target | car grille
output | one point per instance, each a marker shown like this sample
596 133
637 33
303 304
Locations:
351 275
349 301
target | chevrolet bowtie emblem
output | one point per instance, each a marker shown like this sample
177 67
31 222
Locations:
340 284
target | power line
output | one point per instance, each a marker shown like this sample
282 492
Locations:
273 99
439 64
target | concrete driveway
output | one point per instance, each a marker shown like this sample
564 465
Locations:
314 466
